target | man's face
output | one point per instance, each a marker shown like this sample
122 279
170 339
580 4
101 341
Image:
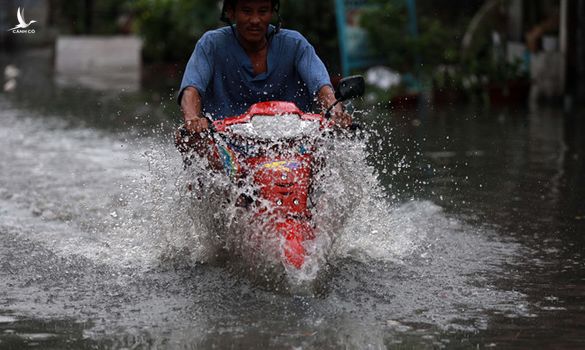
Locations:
252 18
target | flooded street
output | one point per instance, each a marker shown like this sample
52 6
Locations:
469 233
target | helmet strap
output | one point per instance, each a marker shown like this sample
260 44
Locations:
278 25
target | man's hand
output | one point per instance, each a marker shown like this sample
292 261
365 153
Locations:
340 117
326 97
192 114
196 124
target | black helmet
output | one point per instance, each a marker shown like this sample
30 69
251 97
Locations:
232 3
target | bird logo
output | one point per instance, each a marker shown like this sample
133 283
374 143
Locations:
21 22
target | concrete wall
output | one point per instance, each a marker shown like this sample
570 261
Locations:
99 62
78 54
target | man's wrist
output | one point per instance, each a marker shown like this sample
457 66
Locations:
191 118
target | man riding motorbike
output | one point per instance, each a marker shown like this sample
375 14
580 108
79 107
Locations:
246 62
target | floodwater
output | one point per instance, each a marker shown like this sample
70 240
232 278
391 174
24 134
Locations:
455 228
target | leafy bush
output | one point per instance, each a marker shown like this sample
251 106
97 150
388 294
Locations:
387 25
316 21
88 17
171 28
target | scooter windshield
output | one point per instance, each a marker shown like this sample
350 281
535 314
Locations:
276 127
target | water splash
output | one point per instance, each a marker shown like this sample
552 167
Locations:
410 260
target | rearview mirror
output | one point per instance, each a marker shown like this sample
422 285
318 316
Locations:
350 87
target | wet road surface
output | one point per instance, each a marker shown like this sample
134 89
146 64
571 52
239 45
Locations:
468 234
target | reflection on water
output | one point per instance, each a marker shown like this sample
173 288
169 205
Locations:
475 239
106 103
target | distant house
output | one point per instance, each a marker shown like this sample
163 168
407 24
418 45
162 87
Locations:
553 32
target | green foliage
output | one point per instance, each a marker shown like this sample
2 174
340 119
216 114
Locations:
316 21
504 71
89 16
387 25
170 28
448 77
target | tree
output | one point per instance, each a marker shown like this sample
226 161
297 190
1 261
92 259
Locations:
171 28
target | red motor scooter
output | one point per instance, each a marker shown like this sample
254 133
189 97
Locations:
272 149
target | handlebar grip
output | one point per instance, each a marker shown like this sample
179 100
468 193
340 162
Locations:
211 125
185 133
355 127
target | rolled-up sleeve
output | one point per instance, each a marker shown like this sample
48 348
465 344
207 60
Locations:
199 69
311 68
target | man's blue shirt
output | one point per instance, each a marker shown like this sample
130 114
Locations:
222 72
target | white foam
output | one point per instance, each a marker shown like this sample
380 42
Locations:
286 126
